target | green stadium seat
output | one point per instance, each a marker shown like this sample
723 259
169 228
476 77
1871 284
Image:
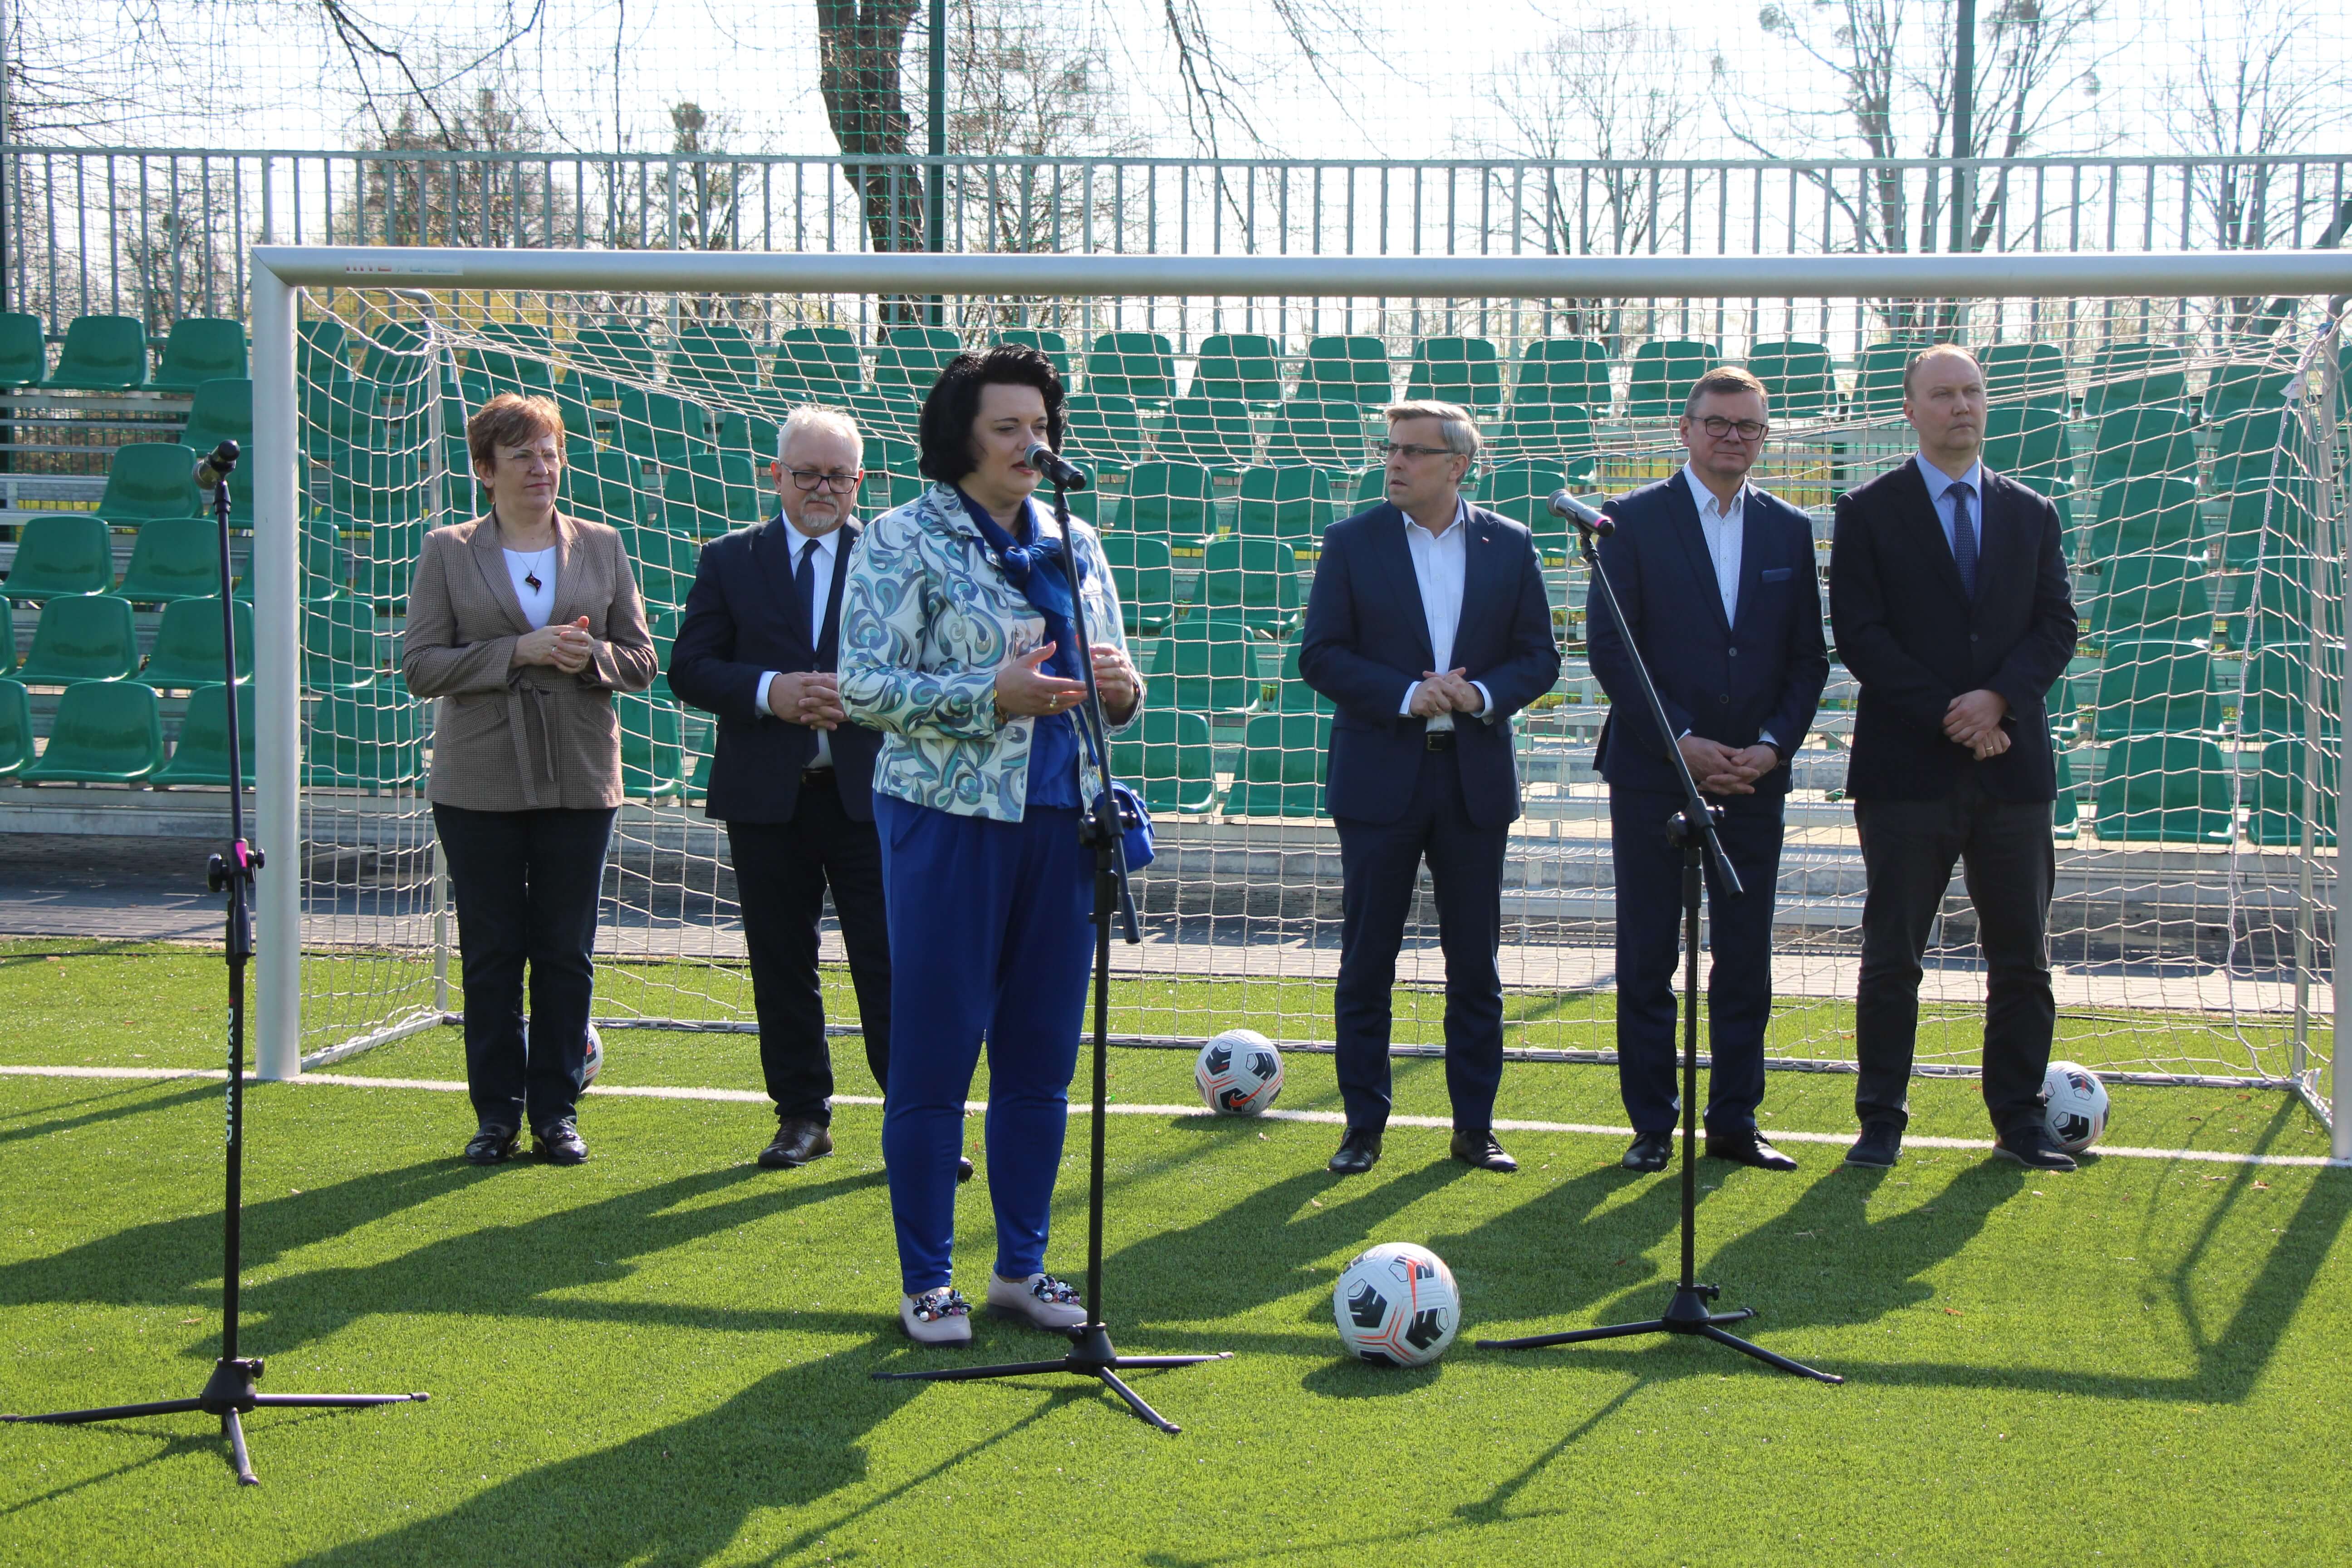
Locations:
326 568
1291 503
2278 814
911 359
342 650
173 558
817 364
2066 810
1665 370
661 426
605 354
200 755
1209 663
16 728
1238 367
754 435
187 652
102 353
664 564
710 493
2154 597
517 353
1139 366
2248 386
888 414
1053 344
1372 487
1213 431
1174 502
2025 375
2026 442
1146 577
384 560
2144 514
373 741
1281 771
1166 757
2152 687
1519 488
653 765
1467 371
2165 789
149 478
60 552
2277 700
24 349
199 349
104 732
1799 381
892 479
222 410
1254 579
1102 427
525 377
1561 432
367 485
1293 695
1328 435
716 360
2144 442
392 354
2283 603
1878 376
322 351
1347 369
2135 375
1555 371
604 485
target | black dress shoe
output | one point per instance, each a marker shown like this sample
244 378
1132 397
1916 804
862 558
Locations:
1358 1151
2033 1147
493 1145
1748 1147
1877 1147
1649 1152
1478 1147
560 1143
964 1168
798 1140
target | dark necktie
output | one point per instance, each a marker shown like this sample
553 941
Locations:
1964 539
805 584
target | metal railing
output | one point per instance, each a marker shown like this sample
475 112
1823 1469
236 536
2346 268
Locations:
163 233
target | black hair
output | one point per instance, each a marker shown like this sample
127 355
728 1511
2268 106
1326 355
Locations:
945 433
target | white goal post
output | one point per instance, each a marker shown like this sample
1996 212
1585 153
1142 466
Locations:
281 276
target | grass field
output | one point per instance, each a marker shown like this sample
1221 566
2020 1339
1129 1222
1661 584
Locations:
663 1357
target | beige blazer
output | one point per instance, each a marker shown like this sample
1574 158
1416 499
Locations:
518 737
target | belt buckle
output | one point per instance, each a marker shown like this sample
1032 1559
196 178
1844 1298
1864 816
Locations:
1437 740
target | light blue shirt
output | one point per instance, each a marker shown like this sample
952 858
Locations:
1939 482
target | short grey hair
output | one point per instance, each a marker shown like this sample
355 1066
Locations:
1461 430
816 417
1932 350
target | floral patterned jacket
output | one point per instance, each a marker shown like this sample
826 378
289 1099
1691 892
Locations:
927 620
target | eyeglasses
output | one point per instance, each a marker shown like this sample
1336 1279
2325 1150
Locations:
1717 426
809 478
1387 450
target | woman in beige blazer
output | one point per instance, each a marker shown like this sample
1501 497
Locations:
524 622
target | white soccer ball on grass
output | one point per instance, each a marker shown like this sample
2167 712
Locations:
1396 1305
1238 1073
2076 1104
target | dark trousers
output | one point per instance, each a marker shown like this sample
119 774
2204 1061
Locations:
526 884
781 871
1649 943
1379 866
1907 850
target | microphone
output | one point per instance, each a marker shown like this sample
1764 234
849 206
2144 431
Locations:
1062 474
215 465
1564 505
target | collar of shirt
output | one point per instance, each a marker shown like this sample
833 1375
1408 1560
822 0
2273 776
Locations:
1940 482
1461 516
1704 498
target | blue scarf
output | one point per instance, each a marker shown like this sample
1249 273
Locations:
1037 569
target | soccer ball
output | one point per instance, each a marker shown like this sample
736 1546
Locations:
1239 1073
1397 1305
595 1063
2076 1105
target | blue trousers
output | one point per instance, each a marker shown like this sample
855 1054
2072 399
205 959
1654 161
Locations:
992 938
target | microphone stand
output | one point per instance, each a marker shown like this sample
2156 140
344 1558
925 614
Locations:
1091 1354
229 1392
1695 829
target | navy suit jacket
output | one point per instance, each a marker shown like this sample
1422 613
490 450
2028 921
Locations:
1366 643
1914 640
1723 681
742 618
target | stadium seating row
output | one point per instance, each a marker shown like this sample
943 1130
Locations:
111 353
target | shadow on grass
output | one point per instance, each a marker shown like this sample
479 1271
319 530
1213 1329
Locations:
129 1100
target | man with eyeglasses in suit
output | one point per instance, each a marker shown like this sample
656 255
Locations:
791 777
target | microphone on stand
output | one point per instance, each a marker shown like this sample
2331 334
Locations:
215 465
1564 505
1058 472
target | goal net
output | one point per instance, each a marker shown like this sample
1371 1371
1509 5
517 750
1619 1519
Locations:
2193 445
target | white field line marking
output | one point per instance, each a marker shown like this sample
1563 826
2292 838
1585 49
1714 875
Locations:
1325 1118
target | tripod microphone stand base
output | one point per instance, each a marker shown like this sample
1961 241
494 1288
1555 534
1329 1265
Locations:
1688 1314
1091 1355
229 1394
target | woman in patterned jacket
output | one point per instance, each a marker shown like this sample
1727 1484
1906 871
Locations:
957 643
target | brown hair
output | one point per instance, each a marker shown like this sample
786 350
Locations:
509 419
1722 378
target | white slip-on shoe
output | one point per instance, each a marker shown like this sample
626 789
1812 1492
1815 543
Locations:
1041 1300
940 1316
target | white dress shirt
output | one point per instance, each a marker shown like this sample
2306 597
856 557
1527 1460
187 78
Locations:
1725 529
1940 483
819 597
1440 561
538 603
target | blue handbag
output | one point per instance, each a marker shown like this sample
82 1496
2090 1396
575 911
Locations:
1135 823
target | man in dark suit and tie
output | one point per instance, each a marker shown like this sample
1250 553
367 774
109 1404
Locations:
1715 578
1950 600
1427 627
791 779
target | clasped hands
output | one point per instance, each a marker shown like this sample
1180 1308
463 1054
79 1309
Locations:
811 697
1449 692
1726 770
1973 720
565 647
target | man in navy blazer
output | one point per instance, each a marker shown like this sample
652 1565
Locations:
1715 578
1427 627
1949 596
792 779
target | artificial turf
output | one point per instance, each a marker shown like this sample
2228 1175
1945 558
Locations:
663 1357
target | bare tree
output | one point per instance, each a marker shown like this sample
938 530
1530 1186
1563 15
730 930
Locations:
860 47
484 201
